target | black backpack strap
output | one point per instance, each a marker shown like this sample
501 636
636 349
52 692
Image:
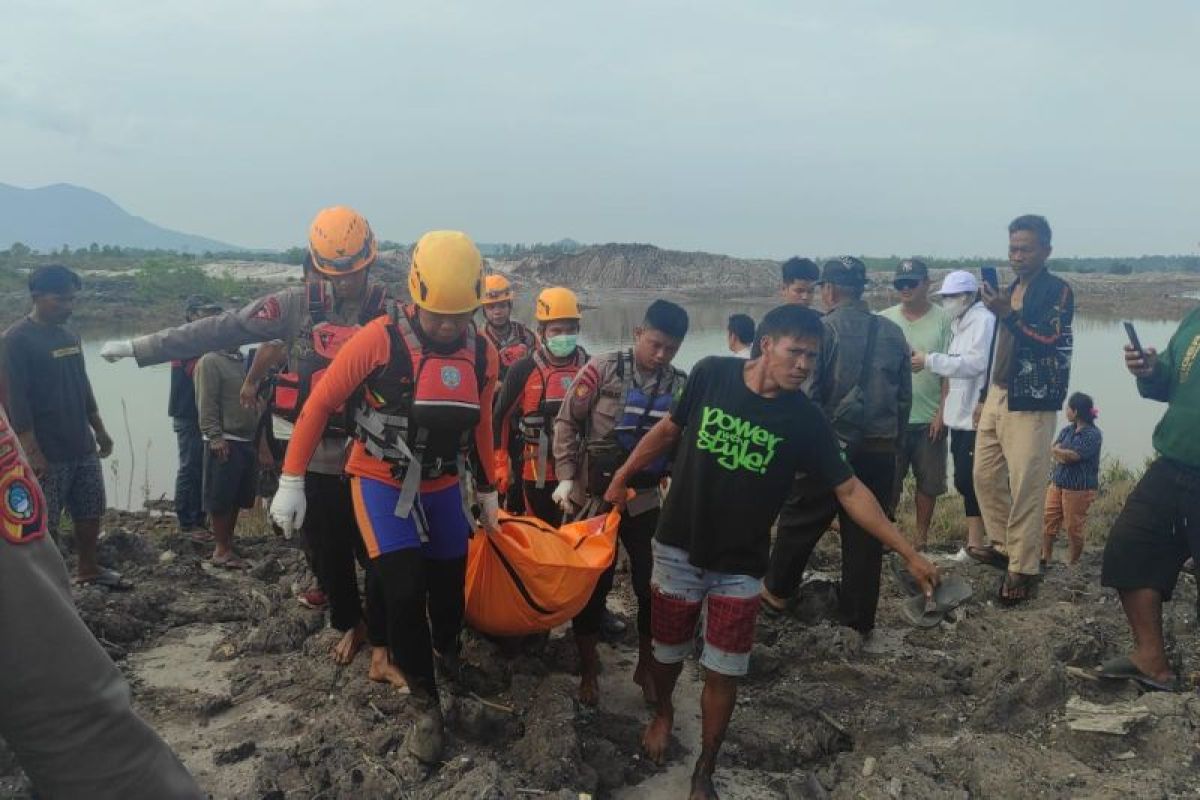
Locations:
316 302
373 305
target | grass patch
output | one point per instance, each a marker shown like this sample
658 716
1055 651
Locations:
949 528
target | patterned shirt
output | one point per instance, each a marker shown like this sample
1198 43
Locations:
1084 474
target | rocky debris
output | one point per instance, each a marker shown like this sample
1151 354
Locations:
979 708
1083 715
232 755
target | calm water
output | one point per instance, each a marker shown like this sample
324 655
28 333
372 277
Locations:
133 401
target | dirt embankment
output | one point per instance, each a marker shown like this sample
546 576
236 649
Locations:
236 676
644 266
120 299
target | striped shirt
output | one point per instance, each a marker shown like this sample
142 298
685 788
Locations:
1085 473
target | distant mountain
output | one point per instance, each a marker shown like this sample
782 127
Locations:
47 218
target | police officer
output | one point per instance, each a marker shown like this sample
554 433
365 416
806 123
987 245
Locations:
312 321
64 707
615 399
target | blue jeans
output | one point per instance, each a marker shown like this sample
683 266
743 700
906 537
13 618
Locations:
189 480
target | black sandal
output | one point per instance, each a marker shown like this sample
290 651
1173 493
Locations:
989 556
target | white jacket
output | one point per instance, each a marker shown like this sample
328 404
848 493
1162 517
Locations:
965 364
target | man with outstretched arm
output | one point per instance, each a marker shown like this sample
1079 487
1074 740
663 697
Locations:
307 325
743 430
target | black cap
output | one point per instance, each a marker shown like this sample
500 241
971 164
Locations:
913 268
198 302
845 271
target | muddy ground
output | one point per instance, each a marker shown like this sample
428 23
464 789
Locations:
235 675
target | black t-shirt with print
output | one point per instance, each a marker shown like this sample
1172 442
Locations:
735 465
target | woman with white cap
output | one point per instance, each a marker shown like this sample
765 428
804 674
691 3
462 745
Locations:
965 364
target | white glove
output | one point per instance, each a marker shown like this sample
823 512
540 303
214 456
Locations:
288 505
489 505
116 349
562 496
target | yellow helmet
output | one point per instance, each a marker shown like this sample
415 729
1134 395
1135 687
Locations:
557 302
446 275
340 241
496 289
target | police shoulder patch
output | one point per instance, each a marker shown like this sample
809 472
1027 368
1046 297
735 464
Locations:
22 509
268 309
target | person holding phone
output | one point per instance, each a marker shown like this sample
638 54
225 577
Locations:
1029 370
1160 524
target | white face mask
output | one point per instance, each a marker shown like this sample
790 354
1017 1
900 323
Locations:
957 306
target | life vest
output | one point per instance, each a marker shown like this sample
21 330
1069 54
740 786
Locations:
537 417
419 411
319 341
639 410
513 347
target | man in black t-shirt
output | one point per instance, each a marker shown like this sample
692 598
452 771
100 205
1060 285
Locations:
743 431
54 414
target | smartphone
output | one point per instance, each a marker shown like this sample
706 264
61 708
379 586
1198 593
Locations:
990 277
1131 332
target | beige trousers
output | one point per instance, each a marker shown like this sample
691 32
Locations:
1012 464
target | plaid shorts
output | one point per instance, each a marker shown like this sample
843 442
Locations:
76 487
682 593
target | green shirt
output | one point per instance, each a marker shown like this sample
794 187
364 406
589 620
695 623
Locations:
1176 382
929 334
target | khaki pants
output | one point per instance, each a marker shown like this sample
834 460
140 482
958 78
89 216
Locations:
1012 462
1069 506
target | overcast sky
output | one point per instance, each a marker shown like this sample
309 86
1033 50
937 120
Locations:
752 128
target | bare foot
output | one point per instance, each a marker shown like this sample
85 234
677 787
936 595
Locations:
773 601
589 690
702 786
657 736
643 678
347 647
382 670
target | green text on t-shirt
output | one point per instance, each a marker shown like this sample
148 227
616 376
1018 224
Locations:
738 443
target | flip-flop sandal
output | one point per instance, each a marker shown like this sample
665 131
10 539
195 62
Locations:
1122 669
107 578
202 537
924 612
908 584
989 556
232 563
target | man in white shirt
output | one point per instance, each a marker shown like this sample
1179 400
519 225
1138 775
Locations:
739 333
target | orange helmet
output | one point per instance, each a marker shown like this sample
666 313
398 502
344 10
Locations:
496 289
340 241
557 302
